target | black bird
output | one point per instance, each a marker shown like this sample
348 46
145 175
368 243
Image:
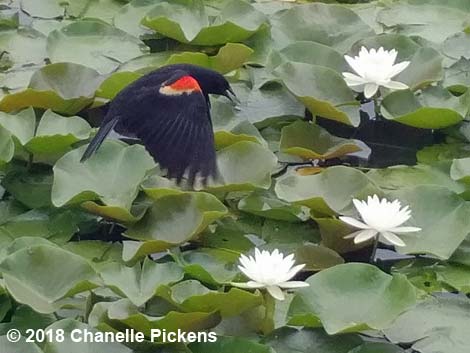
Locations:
169 111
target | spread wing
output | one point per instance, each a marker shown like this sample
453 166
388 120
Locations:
175 128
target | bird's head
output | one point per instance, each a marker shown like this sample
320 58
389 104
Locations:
210 81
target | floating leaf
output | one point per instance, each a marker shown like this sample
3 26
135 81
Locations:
438 324
70 328
289 339
326 193
64 87
32 284
192 296
311 141
244 166
434 108
309 53
24 46
56 134
54 8
105 316
113 176
227 345
399 177
188 22
434 23
137 283
369 298
449 218
268 205
332 25
94 44
312 84
434 276
175 219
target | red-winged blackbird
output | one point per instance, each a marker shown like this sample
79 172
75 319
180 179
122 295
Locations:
169 111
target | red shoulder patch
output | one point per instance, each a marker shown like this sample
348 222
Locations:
186 83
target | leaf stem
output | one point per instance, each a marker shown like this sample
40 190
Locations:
268 322
374 249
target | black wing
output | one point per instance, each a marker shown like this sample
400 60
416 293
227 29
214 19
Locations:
175 129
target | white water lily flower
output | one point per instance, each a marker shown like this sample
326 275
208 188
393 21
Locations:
374 68
271 271
382 218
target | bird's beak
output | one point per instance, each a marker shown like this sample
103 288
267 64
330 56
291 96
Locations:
232 96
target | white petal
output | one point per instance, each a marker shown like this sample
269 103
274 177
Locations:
291 273
365 235
293 284
250 285
353 235
353 80
405 229
355 65
392 238
395 85
276 292
354 222
396 69
370 89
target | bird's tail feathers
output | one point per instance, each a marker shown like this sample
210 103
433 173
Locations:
98 139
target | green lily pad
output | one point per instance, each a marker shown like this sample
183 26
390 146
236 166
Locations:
434 276
309 53
267 205
112 176
437 324
229 344
235 131
56 135
434 108
449 218
107 316
260 105
192 296
54 8
21 126
57 225
443 152
24 46
369 298
244 166
70 326
211 266
457 76
64 87
329 24
311 141
32 284
32 189
399 177
460 170
434 23
176 219
326 193
94 44
313 84
289 339
188 22
137 283
116 82
129 16
317 257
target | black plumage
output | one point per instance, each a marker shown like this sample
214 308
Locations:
169 111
